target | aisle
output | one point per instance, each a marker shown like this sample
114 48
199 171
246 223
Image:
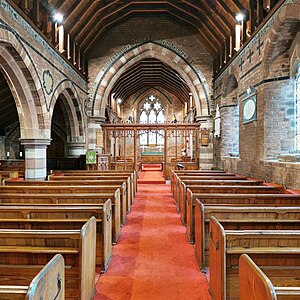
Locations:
153 259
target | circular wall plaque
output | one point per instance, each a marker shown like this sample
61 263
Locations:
249 109
48 82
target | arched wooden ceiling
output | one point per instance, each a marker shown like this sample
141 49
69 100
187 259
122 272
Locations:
87 21
150 73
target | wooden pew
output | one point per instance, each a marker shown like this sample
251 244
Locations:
269 248
51 216
175 174
134 174
255 284
35 247
130 177
196 192
181 195
240 217
179 179
49 283
72 187
108 180
36 195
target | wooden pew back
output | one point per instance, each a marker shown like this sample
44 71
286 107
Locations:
52 216
222 190
239 218
78 248
49 283
181 194
53 187
105 184
270 248
254 284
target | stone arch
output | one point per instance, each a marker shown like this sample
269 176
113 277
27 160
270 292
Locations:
288 20
177 61
72 110
26 88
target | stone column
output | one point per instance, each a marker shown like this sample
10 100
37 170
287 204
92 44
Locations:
94 124
2 147
35 158
75 149
206 153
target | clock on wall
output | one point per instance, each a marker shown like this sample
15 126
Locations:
249 107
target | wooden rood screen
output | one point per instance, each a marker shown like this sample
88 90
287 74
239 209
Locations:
169 144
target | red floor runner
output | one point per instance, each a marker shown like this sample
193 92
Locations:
151 177
153 259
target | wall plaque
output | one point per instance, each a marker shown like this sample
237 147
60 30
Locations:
204 137
99 138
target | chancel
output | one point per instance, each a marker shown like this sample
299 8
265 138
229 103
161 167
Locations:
150 149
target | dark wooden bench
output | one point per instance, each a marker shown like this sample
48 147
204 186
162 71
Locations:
65 195
196 192
73 187
268 248
105 180
63 217
52 276
181 195
34 248
255 284
240 217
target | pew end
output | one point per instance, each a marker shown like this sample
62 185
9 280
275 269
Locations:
87 259
254 284
49 283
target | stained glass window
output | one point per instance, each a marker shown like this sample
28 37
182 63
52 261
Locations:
152 112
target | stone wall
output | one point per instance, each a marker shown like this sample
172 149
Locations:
264 64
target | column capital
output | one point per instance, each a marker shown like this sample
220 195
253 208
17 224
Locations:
98 120
35 142
200 119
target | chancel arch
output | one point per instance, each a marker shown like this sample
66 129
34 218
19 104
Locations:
106 78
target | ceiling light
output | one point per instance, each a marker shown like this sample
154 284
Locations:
119 101
58 18
239 17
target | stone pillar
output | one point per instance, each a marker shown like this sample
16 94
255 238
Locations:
206 153
35 158
2 147
94 124
75 149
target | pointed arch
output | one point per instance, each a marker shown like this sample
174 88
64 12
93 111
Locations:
108 76
25 86
72 109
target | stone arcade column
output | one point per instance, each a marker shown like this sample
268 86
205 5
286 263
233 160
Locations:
94 125
35 158
75 149
206 153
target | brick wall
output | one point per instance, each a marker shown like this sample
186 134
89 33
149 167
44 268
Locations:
268 71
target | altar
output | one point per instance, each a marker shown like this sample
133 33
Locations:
151 157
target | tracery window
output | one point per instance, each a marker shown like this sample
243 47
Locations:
152 112
298 110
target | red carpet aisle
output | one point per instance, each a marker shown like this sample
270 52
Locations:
151 173
153 259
